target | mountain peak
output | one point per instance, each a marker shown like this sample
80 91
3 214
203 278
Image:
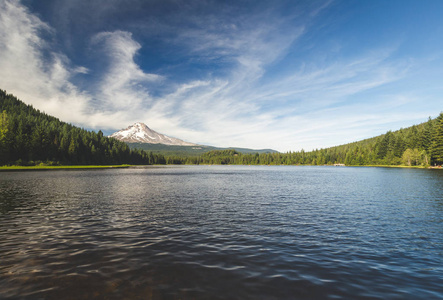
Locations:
140 133
139 124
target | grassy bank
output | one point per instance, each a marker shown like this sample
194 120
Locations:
39 167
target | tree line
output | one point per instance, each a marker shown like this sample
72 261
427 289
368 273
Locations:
29 137
418 145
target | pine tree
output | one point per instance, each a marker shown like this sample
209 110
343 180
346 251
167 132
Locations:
4 137
426 136
386 145
4 126
436 148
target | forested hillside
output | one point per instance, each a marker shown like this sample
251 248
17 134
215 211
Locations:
185 151
28 136
418 145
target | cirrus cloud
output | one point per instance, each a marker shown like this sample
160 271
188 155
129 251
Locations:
244 79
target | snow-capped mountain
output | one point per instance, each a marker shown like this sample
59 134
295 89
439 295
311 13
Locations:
140 133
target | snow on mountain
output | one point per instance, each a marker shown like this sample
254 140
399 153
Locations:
140 133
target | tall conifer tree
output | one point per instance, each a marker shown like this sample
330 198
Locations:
436 148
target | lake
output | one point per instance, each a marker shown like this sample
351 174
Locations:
222 232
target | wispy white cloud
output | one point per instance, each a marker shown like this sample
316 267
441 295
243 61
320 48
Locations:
315 105
122 85
29 69
307 109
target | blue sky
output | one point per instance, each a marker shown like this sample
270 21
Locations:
287 75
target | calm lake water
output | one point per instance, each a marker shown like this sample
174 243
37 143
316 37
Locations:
213 232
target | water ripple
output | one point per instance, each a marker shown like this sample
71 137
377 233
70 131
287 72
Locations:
222 233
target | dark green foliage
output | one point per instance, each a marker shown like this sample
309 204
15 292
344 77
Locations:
28 136
436 147
185 151
408 146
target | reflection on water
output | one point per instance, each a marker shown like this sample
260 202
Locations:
222 233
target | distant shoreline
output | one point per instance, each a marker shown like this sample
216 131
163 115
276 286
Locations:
104 167
48 168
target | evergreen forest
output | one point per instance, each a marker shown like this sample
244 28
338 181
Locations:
418 145
30 137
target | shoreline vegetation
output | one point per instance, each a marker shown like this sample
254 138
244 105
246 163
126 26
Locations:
101 167
67 167
30 139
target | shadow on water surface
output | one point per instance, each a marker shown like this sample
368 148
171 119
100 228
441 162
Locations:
222 233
